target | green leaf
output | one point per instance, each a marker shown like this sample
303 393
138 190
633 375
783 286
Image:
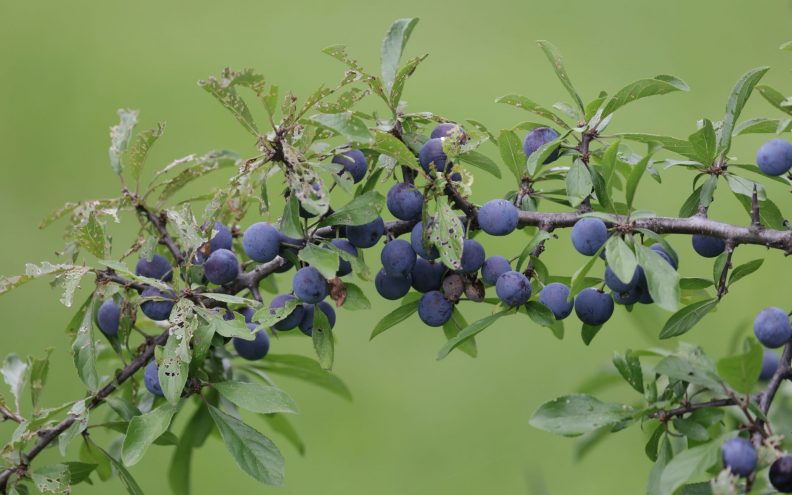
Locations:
468 332
578 282
143 430
126 478
345 124
687 465
124 408
79 471
361 210
322 338
306 369
745 187
554 56
256 397
451 329
707 191
281 424
769 214
578 183
620 258
540 236
290 224
401 79
694 283
392 48
663 280
641 89
512 153
573 415
84 350
704 142
531 106
744 270
775 98
481 161
197 429
324 260
629 367
446 235
672 144
175 363
388 144
686 318
355 298
588 332
39 369
224 89
540 314
741 371
739 96
252 451
120 135
55 478
395 317
91 236
692 367
140 148
635 178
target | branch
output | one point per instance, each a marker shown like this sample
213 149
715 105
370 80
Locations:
665 415
159 223
48 435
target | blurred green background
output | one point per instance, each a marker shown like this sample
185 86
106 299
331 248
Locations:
416 425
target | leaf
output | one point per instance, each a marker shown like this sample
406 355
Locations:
542 153
256 397
84 350
641 89
140 148
39 369
744 270
198 427
662 279
578 183
742 370
774 97
531 106
739 96
446 235
119 137
769 214
79 471
704 142
91 236
745 187
620 258
392 48
355 298
687 465
281 424
539 237
635 178
468 332
451 329
588 332
394 318
512 153
252 451
481 161
388 144
554 56
345 124
126 478
224 89
629 367
143 430
15 372
694 367
174 365
324 260
694 283
322 338
306 369
573 415
540 314
401 79
361 210
55 478
686 318
578 282
672 144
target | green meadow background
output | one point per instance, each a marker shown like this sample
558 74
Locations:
416 425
